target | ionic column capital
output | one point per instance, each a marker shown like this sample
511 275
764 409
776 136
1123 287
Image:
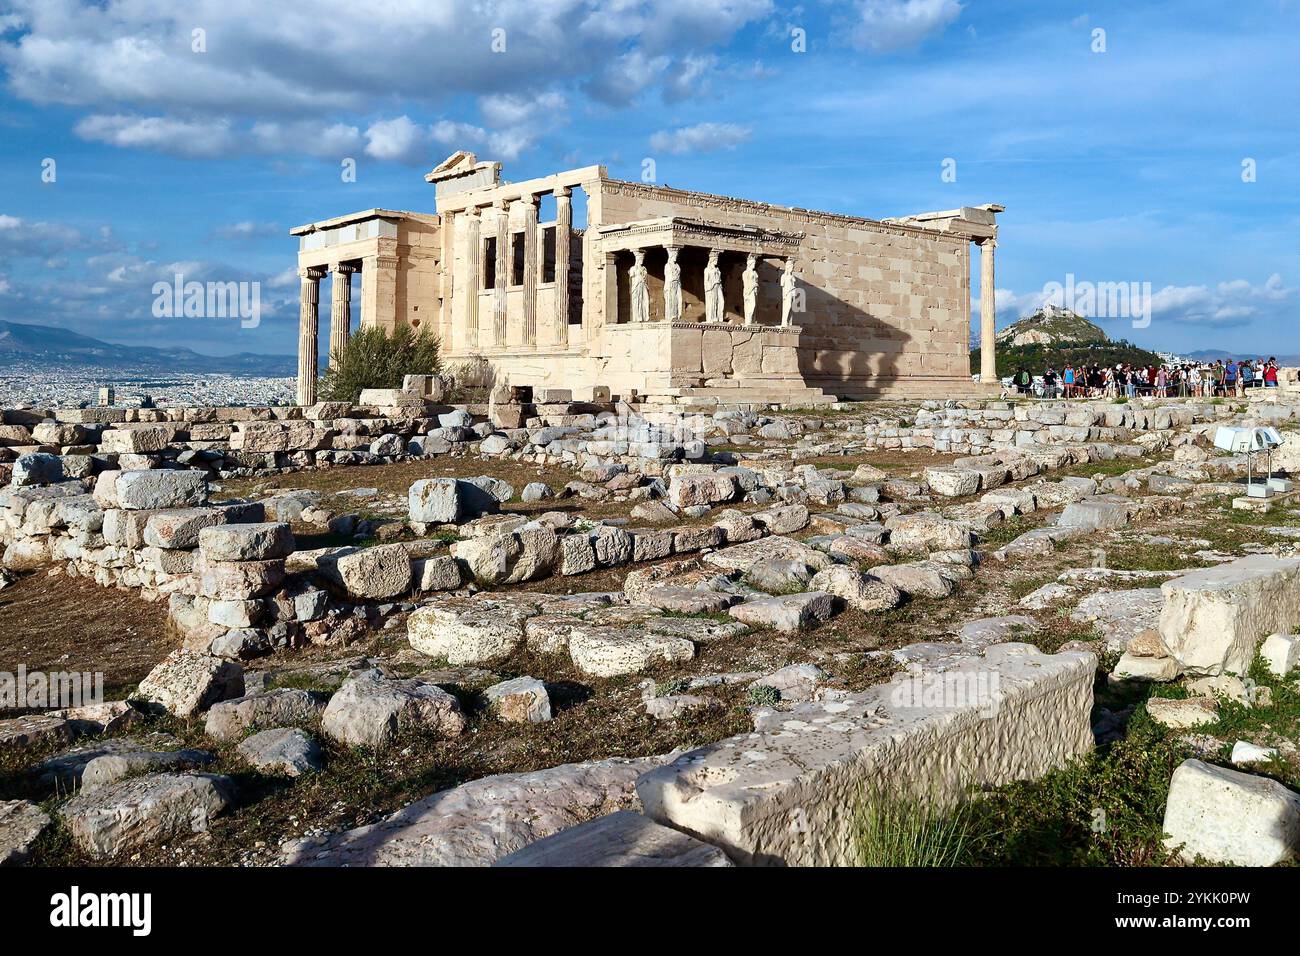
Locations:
311 273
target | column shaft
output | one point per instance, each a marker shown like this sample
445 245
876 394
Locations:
503 265
446 319
988 313
340 309
530 270
471 278
308 327
563 230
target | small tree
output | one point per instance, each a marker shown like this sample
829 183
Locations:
373 359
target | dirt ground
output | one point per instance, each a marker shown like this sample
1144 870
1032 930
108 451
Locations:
61 623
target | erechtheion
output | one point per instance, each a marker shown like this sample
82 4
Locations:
662 294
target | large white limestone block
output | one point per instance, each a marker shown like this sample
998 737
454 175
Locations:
1214 619
1227 816
784 795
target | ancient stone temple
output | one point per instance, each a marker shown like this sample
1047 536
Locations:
582 282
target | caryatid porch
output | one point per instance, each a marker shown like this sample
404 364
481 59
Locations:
694 305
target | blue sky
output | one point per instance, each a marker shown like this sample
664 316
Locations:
1117 166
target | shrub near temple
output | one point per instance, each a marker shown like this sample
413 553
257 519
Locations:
373 359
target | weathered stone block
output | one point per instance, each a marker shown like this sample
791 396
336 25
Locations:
160 488
611 651
38 468
435 501
143 810
258 541
742 794
480 821
1095 514
789 612
1226 816
185 684
522 700
369 710
1213 619
369 574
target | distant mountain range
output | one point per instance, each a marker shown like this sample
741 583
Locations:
28 345
1209 355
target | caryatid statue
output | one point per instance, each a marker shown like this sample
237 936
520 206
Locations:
640 295
672 287
713 289
751 288
788 288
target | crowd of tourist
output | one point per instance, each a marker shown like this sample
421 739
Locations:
1222 377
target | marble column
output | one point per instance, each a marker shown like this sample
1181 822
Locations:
503 265
988 313
471 277
530 270
308 327
446 318
340 308
563 231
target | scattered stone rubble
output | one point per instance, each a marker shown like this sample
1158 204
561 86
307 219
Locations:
719 544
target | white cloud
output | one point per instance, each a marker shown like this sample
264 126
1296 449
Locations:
247 229
1236 302
514 109
131 66
310 137
399 139
200 138
883 26
1009 305
700 138
284 279
689 78
1230 303
513 124
46 240
625 77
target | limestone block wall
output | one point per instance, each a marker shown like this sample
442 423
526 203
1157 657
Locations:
417 283
885 303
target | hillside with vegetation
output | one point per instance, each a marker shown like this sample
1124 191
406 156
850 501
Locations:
1058 337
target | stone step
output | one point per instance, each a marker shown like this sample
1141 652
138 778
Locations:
744 394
